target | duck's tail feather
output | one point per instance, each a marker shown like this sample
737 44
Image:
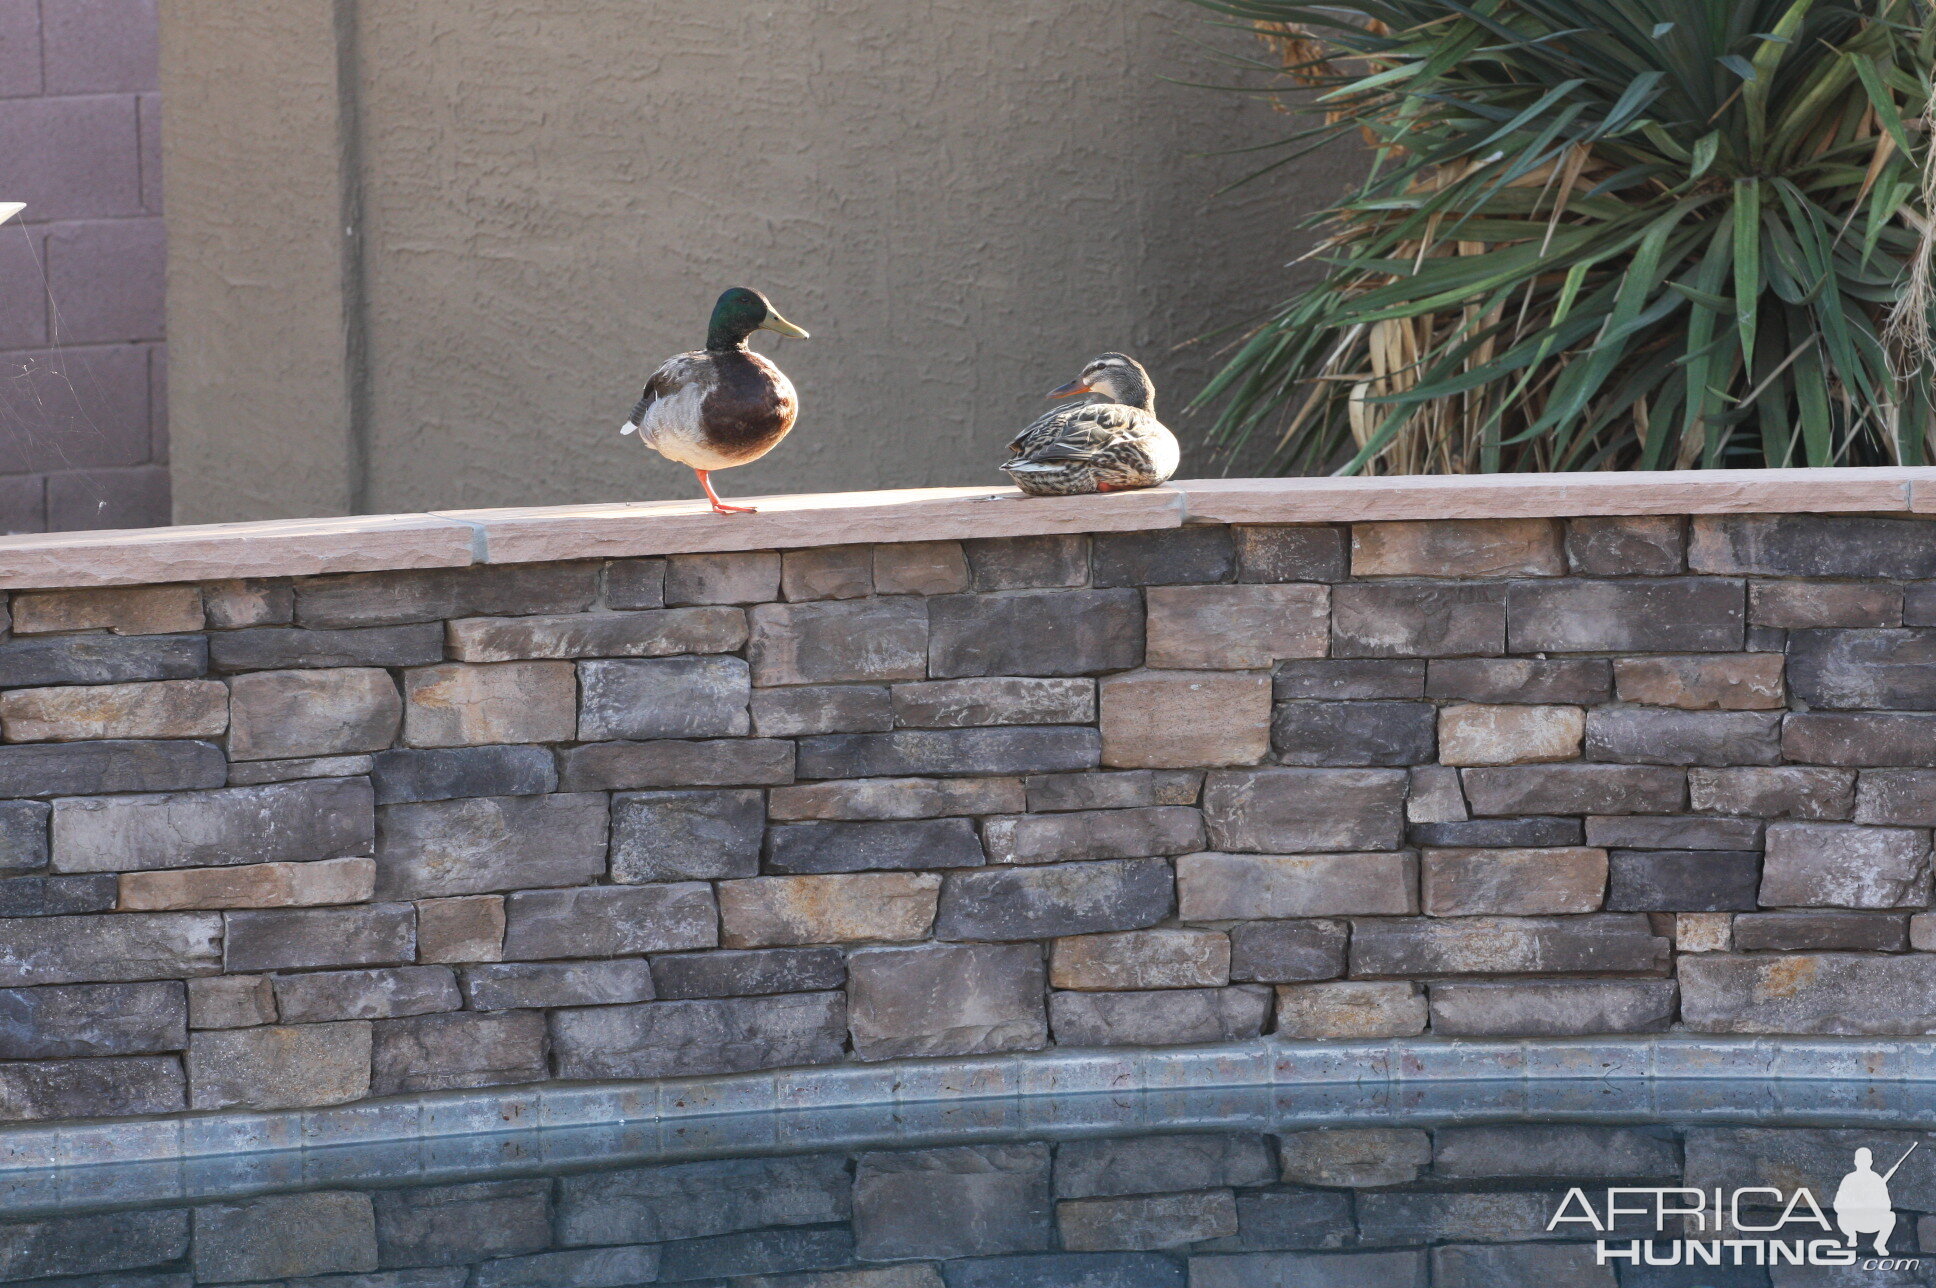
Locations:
637 418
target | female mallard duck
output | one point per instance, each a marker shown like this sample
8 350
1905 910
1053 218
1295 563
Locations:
1110 446
723 405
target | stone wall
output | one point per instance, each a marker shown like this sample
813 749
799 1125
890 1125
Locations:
295 842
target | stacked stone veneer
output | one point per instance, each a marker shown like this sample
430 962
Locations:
278 844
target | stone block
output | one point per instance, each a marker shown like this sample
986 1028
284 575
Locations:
609 921
920 568
1497 833
1094 834
1673 832
656 633
1552 1008
675 697
881 798
1575 789
43 896
748 577
80 1020
1178 719
726 762
101 659
1521 882
1868 738
1290 552
1154 1164
377 934
280 1236
1539 1151
686 836
1138 1222
1142 959
1902 797
1703 932
1786 792
488 843
1805 605
1526 1265
1164 557
1353 733
827 572
1338 679
749 972
1285 952
1630 615
159 709
366 994
320 818
1727 682
1507 945
243 602
254 773
1434 794
252 885
279 1067
800 848
456 1225
113 948
1828 993
828 708
1475 734
1400 619
1039 749
959 1201
277 648
1128 789
663 1202
1300 811
695 1038
38 1091
1027 563
1167 1017
1821 932
959 704
1663 736
1811 545
1418 1218
461 1049
1625 545
23 835
946 1000
276 715
1238 887
428 595
837 641
1922 932
1841 865
1457 548
1353 1010
1234 628
123 610
778 912
1582 681
231 1002
1292 1219
404 777
467 928
1683 880
545 984
462 704
1033 632
579 1268
1889 669
1055 899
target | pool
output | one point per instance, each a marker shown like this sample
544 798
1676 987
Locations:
1446 1185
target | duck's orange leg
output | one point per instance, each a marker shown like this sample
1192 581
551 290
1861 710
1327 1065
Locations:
719 506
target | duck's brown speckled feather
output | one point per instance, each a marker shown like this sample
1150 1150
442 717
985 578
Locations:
1092 448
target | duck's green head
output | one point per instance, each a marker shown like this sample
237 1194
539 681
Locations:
742 311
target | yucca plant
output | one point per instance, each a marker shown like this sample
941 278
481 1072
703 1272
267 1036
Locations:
1603 234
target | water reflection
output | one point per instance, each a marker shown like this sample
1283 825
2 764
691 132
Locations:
1450 1185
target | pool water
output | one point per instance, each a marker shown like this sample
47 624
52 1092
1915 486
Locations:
1453 1185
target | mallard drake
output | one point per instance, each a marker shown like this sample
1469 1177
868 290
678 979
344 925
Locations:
1109 446
723 405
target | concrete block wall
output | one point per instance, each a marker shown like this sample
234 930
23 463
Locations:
292 842
83 408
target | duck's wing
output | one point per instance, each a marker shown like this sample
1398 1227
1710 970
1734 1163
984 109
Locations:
677 372
1075 433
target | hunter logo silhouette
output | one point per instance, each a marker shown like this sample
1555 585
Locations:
1862 1201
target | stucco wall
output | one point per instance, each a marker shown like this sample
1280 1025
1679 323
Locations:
962 203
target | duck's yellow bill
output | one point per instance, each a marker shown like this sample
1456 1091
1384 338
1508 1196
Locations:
774 322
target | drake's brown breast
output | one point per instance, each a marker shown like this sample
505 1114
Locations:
749 409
